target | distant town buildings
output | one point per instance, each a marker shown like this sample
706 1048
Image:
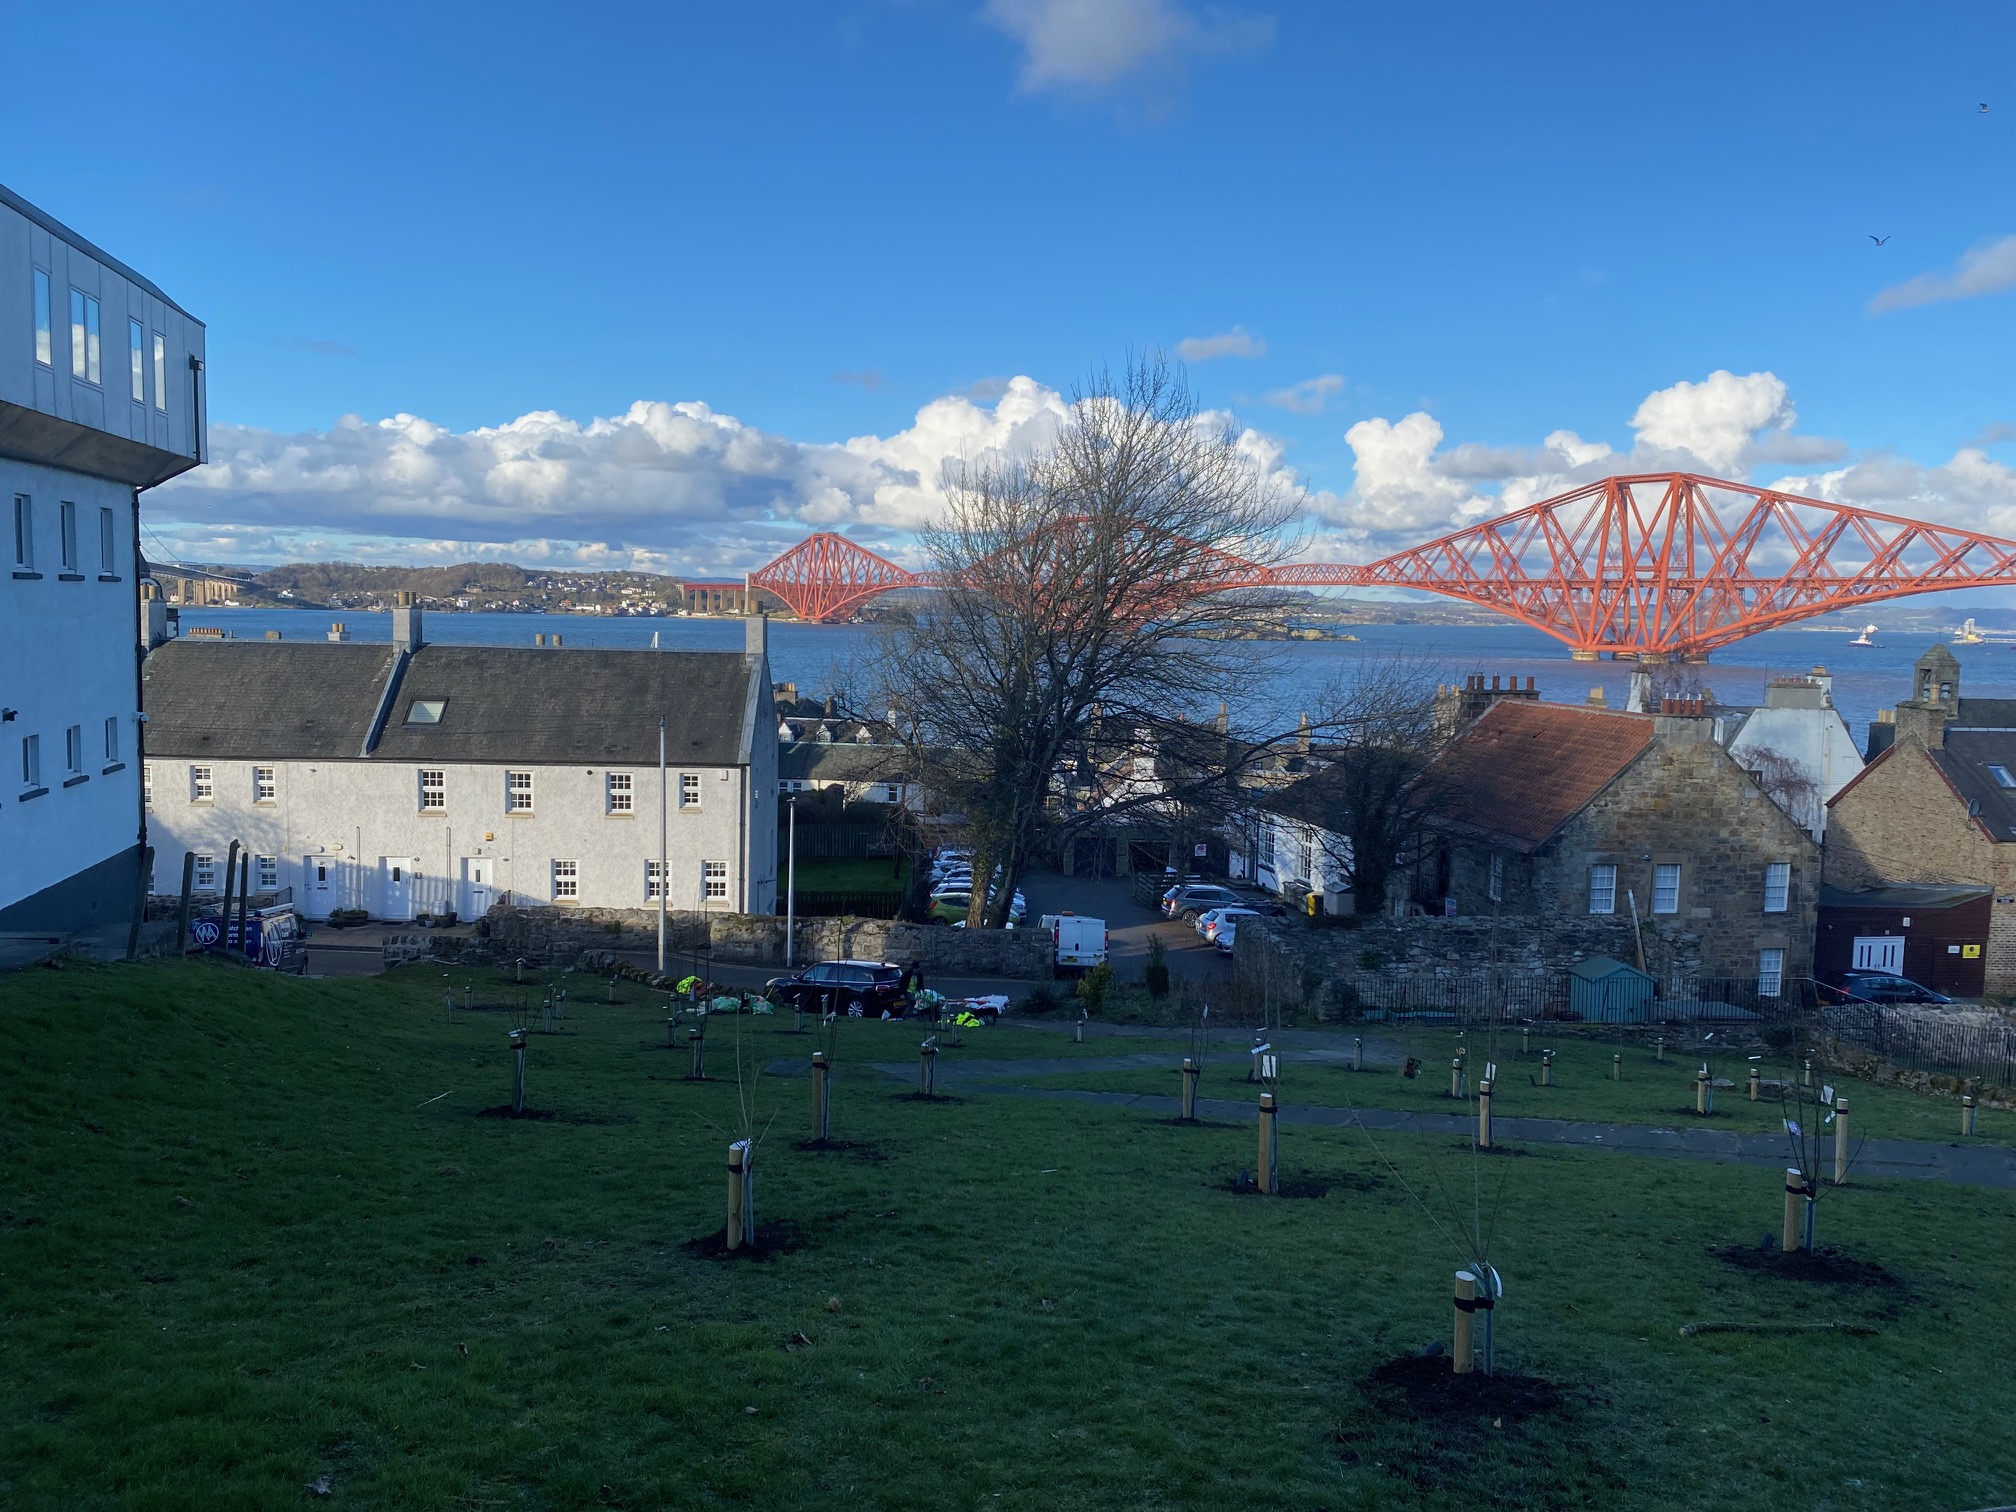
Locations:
101 397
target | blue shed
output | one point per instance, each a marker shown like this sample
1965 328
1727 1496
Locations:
1606 991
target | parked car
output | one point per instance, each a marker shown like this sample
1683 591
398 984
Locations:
950 907
1210 920
1881 987
1189 901
859 989
1226 937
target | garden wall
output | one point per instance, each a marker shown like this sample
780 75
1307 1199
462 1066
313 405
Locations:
758 939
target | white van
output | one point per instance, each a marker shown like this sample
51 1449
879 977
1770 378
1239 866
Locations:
1079 943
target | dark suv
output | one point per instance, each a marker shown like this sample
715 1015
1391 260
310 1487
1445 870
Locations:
859 989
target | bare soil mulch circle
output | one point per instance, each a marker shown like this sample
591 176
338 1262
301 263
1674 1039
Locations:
1196 1123
1306 1185
860 1148
1828 1266
923 1097
777 1237
1503 1440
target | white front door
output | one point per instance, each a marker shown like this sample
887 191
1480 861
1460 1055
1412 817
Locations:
395 887
1879 953
318 886
478 892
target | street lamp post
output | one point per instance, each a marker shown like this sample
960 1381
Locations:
791 881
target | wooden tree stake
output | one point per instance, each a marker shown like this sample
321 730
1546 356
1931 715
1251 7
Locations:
1756 1079
822 1106
1190 1071
1795 1200
517 1071
1456 1078
1701 1093
927 1070
1617 1067
1967 1115
1546 1068
1840 1140
1484 1115
1463 1356
1268 1154
1358 1052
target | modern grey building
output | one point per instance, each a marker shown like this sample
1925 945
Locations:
101 396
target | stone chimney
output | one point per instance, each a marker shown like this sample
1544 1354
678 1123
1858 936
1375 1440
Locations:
159 623
405 622
1684 719
1934 701
1597 699
1302 736
756 634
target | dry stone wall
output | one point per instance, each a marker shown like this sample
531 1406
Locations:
758 939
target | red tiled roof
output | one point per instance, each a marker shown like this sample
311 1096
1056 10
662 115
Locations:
1524 769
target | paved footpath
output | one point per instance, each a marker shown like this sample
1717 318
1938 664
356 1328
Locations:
1982 1165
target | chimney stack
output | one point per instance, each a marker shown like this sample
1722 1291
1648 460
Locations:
756 634
405 622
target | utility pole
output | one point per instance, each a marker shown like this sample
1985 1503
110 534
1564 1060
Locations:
791 880
664 871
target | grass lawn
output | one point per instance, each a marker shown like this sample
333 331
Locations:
847 874
252 1232
1650 1091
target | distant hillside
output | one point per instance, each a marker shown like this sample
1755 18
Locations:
490 586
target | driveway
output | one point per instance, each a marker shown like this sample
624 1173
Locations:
1129 925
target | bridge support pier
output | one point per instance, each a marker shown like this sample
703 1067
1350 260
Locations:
1580 654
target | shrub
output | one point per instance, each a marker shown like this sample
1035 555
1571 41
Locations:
1094 985
1156 975
1371 960
1041 1000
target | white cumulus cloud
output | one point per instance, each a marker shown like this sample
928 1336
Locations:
1233 343
1985 269
1093 44
1716 419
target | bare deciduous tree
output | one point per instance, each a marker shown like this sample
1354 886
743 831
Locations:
1786 783
1083 615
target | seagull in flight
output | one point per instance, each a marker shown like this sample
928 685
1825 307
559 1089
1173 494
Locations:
1984 108
1879 240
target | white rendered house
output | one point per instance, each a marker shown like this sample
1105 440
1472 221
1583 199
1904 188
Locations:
418 778
101 396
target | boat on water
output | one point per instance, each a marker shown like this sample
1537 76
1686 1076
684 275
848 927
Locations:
1969 634
1866 638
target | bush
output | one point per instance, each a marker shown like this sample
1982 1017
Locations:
1094 985
1041 1000
1370 960
1156 976
346 918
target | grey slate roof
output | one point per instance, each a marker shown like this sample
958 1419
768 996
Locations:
1965 758
840 761
261 700
1928 895
252 700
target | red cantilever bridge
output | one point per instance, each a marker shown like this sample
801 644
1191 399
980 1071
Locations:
1659 566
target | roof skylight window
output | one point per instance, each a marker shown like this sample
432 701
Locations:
2002 776
428 711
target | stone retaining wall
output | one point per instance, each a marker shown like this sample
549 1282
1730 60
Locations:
758 939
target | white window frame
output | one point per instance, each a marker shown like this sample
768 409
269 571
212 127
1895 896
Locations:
1771 971
108 543
1603 888
45 315
1777 887
160 372
111 739
1666 877
689 790
439 786
265 784
203 878
73 750
619 793
654 880
266 873
202 784
714 881
31 761
136 342
892 792
24 533
518 785
566 881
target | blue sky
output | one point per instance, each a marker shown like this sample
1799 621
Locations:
828 221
